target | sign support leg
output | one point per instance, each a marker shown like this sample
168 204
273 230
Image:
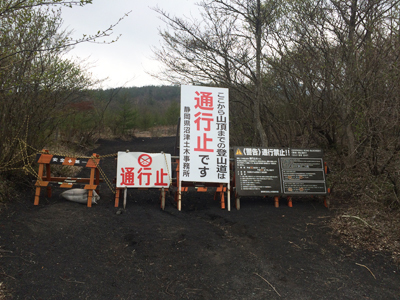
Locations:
229 196
116 197
90 191
179 204
276 198
221 190
48 178
125 192
162 198
40 176
237 202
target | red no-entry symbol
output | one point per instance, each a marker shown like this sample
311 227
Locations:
145 160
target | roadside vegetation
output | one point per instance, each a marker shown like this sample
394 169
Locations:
39 87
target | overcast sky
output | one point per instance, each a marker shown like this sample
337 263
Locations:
125 62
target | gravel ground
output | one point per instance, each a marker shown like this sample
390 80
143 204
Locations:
64 250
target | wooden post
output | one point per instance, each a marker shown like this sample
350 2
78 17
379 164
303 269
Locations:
97 180
117 190
40 177
221 191
89 198
222 196
48 178
289 201
90 191
276 201
326 200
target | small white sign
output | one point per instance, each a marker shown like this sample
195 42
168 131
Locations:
143 170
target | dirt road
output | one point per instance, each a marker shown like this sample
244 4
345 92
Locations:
64 250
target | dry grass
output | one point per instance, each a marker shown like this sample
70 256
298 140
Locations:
369 227
4 294
157 131
6 191
2 291
367 214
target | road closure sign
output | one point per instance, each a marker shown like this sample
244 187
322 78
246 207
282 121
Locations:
279 171
204 134
143 170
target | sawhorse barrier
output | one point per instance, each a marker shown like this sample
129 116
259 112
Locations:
45 179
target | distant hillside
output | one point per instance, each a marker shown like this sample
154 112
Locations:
158 93
142 95
138 107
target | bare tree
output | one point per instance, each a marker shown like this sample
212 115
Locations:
36 83
335 67
225 48
302 73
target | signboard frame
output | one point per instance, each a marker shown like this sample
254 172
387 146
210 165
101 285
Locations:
305 165
204 137
135 170
204 134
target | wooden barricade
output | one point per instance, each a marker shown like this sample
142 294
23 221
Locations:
45 179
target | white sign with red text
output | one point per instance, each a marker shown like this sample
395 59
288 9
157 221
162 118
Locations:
143 170
204 134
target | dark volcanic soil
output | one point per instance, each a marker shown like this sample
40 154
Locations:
64 250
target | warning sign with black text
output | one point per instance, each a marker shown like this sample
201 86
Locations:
279 171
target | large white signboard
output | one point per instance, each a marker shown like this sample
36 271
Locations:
204 134
143 170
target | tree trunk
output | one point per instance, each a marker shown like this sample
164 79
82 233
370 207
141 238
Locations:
258 83
350 79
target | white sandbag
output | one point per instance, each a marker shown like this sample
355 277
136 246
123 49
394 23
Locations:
79 195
